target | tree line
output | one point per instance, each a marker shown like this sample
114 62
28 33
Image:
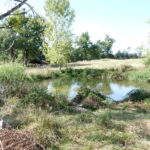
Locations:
25 37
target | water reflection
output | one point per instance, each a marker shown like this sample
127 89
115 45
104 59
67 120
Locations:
116 90
119 91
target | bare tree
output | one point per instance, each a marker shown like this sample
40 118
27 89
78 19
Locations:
19 5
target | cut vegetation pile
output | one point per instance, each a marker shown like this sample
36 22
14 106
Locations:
17 140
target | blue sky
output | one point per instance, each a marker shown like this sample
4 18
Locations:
124 20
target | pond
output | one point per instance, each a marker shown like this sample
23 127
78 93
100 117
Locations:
116 90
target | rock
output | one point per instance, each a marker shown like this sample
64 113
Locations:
4 125
80 109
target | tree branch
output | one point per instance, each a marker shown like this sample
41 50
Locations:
13 9
31 8
10 47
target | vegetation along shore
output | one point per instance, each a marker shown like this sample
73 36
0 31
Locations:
64 91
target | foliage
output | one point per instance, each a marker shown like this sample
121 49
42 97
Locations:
139 75
90 99
13 80
86 50
6 40
106 46
108 128
42 99
147 60
27 36
58 35
125 55
12 72
137 95
84 45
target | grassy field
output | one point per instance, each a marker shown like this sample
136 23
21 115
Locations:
106 64
93 64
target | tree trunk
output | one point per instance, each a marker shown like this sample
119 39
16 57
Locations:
25 58
12 55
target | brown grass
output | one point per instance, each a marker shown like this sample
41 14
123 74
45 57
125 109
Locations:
92 64
107 63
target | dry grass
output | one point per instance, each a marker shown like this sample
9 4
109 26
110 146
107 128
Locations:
107 63
93 64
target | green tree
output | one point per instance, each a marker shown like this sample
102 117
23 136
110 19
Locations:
28 35
5 40
58 35
84 45
106 46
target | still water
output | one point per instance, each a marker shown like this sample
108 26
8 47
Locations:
116 90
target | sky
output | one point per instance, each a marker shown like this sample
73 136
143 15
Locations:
124 20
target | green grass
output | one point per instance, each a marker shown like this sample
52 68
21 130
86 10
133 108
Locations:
52 121
107 128
95 68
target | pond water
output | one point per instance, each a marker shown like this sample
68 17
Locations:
116 90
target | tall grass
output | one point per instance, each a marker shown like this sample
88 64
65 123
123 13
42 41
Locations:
139 75
12 73
13 80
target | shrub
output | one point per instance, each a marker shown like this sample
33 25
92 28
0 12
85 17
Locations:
91 99
41 98
147 60
137 95
86 92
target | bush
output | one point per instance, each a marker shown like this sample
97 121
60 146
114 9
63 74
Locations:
147 60
91 99
138 95
41 98
86 92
